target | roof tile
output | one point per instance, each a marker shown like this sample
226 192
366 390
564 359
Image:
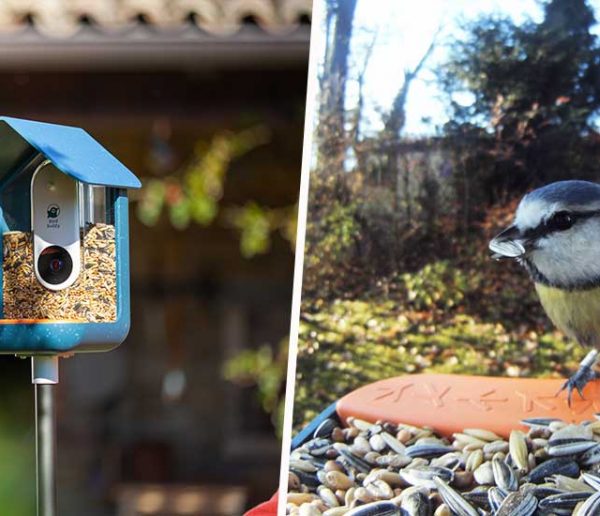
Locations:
62 18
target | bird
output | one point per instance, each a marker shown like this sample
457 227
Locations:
555 236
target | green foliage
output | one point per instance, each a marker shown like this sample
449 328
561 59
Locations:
256 223
334 236
17 476
152 202
346 344
17 444
253 223
265 370
438 285
194 194
534 91
379 225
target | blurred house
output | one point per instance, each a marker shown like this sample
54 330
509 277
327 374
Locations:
149 79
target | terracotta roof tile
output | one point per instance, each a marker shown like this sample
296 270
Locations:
62 18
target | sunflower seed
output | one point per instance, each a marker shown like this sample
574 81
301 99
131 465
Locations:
394 444
561 465
495 497
570 447
591 456
384 508
563 500
591 507
504 476
592 480
454 500
335 477
518 504
424 476
539 422
325 428
318 446
416 504
484 474
427 450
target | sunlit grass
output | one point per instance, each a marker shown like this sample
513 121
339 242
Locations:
346 344
17 439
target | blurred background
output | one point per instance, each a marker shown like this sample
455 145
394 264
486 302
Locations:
204 100
432 120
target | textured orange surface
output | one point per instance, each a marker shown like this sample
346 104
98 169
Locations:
450 403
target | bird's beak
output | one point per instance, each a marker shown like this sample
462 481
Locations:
510 243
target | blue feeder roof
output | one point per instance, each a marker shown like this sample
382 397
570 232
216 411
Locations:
70 149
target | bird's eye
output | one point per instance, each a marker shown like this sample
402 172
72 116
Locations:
561 221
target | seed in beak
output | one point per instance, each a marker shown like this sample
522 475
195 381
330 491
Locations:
508 244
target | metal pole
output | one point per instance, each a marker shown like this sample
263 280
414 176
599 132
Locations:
45 377
45 449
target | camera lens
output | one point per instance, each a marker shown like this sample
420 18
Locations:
55 265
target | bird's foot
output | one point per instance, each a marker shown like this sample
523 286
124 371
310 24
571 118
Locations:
582 376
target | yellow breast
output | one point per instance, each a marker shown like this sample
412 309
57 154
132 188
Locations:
576 313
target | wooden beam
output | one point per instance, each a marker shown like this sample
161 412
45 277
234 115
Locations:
144 48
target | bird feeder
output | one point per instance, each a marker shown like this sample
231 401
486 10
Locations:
64 278
64 223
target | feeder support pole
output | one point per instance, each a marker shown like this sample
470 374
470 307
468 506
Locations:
44 376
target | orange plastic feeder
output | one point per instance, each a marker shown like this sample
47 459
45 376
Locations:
450 403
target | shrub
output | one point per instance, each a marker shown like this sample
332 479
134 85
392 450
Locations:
437 285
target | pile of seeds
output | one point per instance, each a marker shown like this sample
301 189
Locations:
368 469
91 298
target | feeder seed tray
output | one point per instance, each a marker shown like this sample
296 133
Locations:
92 298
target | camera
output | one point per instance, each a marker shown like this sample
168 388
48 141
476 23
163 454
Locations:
55 265
56 227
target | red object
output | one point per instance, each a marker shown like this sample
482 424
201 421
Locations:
265 509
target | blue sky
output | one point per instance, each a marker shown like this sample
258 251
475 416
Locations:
404 30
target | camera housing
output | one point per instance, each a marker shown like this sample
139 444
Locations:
55 226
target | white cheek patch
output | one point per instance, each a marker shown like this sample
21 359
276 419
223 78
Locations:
572 256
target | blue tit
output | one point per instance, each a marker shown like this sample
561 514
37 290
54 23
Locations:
556 237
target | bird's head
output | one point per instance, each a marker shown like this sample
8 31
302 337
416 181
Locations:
556 234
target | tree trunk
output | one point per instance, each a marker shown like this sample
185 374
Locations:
332 140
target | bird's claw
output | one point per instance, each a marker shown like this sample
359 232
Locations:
578 381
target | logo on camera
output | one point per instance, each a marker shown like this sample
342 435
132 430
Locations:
53 211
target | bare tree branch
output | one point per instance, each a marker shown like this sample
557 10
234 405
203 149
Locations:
360 79
397 117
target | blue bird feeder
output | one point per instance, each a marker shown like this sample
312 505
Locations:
64 278
65 239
